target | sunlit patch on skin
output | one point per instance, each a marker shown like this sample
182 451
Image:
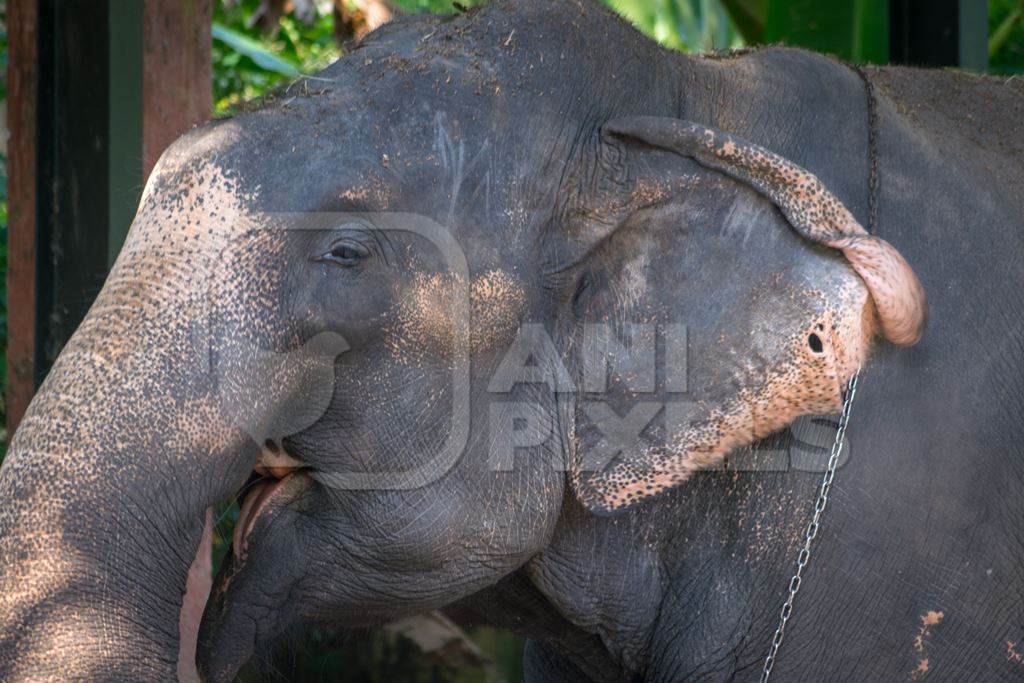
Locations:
75 636
376 194
423 322
193 430
497 303
424 318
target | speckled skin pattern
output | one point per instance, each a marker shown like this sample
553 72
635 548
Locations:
495 124
84 476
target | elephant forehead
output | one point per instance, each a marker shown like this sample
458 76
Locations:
193 215
193 206
150 318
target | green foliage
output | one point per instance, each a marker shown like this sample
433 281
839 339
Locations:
244 46
247 64
689 25
856 30
1006 36
436 6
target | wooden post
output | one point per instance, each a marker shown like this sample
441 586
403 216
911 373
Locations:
177 89
22 79
97 89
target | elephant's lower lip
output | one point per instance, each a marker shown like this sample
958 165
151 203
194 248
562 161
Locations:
252 505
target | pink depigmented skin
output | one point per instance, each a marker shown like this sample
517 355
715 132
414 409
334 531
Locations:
197 591
818 215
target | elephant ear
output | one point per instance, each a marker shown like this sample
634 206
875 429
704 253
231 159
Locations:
701 438
807 204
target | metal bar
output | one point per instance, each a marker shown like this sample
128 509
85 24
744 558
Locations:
97 90
73 169
973 35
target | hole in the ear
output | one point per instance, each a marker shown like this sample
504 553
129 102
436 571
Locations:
814 341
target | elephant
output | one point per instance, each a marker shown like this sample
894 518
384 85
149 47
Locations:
510 314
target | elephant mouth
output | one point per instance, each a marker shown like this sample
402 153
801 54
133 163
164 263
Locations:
274 470
255 501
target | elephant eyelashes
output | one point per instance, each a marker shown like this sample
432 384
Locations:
345 253
814 341
579 296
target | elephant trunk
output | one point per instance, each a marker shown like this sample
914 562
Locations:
104 492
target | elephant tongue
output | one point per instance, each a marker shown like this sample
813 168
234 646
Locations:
252 505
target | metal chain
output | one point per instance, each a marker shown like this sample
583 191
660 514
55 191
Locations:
812 528
851 391
872 106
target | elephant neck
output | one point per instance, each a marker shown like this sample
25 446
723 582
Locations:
701 570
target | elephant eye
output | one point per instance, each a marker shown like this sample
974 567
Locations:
345 253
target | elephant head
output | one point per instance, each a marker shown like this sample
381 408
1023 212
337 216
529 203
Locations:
314 303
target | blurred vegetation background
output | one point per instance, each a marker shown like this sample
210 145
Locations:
260 44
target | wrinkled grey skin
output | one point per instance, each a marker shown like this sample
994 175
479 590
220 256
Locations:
497 136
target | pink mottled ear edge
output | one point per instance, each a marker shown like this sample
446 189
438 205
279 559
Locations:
809 206
897 294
